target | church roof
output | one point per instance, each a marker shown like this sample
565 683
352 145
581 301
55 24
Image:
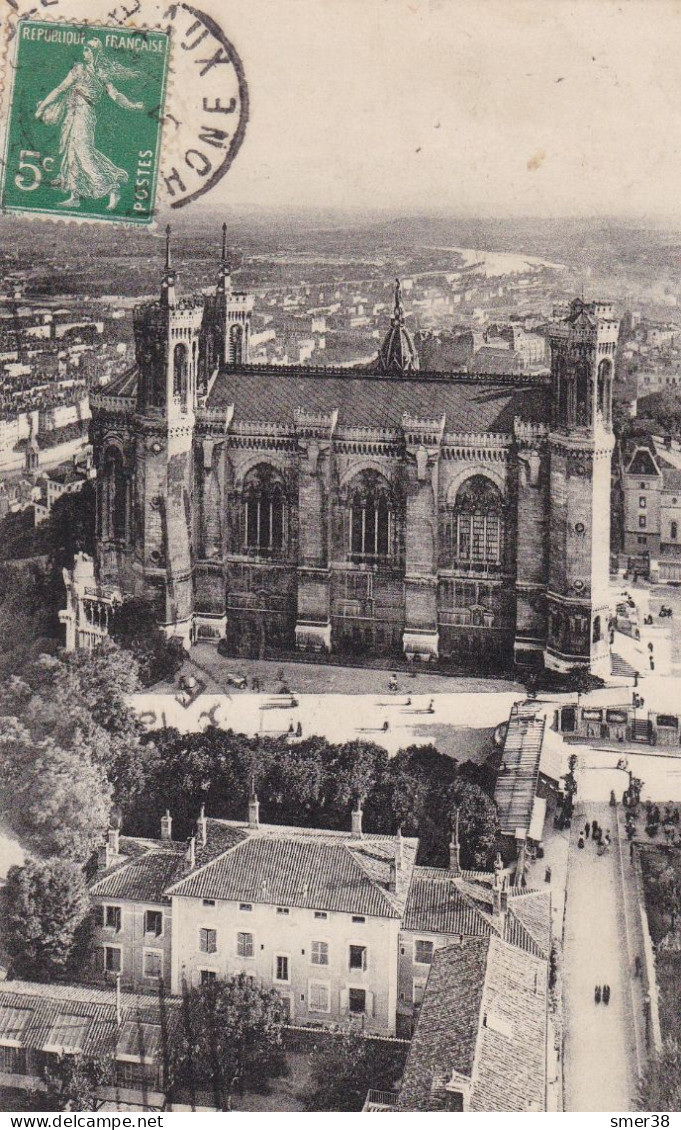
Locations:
272 394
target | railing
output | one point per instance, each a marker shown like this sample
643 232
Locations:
382 1100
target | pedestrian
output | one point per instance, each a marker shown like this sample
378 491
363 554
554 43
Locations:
606 994
299 730
580 842
650 647
386 726
631 851
431 706
291 729
594 828
587 829
597 994
652 663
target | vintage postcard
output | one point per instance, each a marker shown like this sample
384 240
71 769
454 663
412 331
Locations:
340 553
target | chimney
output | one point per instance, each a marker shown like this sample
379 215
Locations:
253 806
191 853
112 838
392 881
399 854
103 856
499 891
356 821
202 826
455 848
167 826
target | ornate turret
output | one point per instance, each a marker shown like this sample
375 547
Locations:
397 354
227 322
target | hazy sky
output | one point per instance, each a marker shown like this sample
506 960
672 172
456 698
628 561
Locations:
537 107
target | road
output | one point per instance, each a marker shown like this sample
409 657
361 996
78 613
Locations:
659 771
599 1048
460 725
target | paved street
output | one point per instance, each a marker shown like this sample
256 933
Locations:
460 725
599 1049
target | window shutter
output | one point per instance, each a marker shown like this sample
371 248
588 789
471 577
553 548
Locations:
99 916
344 1000
369 1004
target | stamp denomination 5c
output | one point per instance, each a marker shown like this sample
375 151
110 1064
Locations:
85 114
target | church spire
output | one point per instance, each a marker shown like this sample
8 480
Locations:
398 313
397 355
224 279
168 277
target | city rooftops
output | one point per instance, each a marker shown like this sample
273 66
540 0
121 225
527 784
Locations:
308 868
480 1041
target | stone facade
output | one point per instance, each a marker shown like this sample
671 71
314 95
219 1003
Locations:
382 511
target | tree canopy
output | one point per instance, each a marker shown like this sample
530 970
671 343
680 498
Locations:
45 916
660 1087
347 1065
315 783
230 1038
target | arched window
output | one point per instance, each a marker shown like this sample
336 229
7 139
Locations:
603 392
236 345
561 391
474 530
372 520
180 372
114 496
264 514
674 531
582 414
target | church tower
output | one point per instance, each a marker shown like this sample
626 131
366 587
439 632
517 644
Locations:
167 334
227 323
581 443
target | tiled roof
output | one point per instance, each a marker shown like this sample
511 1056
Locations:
144 878
442 903
517 785
509 1073
447 1029
483 1016
532 910
149 866
671 476
123 385
79 1018
468 404
318 870
437 905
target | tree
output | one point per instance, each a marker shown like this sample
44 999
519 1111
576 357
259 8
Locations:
478 823
135 628
660 1086
78 702
56 800
347 1065
45 915
26 628
231 1037
72 1083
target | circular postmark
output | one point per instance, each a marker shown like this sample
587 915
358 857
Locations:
207 114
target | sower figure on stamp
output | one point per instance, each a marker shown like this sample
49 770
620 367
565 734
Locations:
84 170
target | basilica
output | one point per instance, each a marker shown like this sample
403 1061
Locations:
381 510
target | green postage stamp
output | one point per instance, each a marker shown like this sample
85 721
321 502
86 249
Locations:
83 135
